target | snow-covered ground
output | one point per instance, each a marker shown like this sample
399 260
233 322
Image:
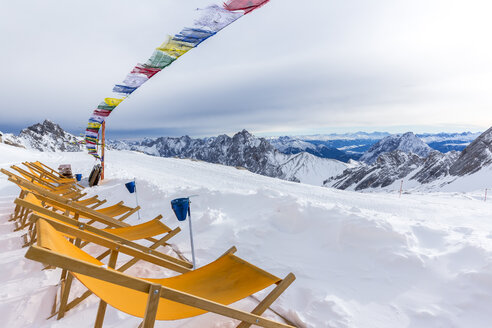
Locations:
361 259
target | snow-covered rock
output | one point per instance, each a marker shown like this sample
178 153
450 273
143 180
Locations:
474 157
407 143
436 166
393 166
388 168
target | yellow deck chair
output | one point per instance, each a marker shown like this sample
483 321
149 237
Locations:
80 212
58 188
208 289
28 186
49 172
49 178
47 175
92 202
117 210
48 169
123 236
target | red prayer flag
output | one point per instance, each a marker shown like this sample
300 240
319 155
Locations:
148 71
246 5
102 112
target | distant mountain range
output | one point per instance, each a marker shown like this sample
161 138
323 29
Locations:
344 147
406 157
328 160
241 150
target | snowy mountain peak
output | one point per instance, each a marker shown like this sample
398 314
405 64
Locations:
46 136
406 143
47 126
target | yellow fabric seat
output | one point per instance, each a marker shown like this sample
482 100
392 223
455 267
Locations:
140 231
225 281
50 179
114 210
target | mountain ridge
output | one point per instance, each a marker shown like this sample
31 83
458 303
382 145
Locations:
392 165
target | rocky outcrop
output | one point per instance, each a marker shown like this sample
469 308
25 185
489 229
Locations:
474 157
437 165
388 168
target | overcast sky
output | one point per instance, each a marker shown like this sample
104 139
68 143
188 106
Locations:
291 67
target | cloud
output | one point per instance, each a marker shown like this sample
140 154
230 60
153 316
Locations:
291 66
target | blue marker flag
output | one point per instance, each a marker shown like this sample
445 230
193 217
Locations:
181 207
130 186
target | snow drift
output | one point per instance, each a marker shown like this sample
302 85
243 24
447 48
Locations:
361 260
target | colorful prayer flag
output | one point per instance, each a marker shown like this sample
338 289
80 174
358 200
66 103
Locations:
210 20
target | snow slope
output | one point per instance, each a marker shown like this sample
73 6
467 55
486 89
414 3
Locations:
310 169
361 260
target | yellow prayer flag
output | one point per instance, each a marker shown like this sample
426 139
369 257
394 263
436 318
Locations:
175 48
113 101
93 125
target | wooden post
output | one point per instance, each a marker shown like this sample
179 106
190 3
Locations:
103 145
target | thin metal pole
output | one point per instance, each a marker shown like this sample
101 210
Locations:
191 239
136 197
401 188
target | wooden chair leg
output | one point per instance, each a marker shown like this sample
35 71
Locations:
18 208
270 298
53 308
152 304
66 285
21 220
32 235
101 311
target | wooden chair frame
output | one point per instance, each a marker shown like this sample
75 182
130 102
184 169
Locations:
38 179
44 174
64 190
23 183
110 241
60 198
154 291
104 234
47 168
